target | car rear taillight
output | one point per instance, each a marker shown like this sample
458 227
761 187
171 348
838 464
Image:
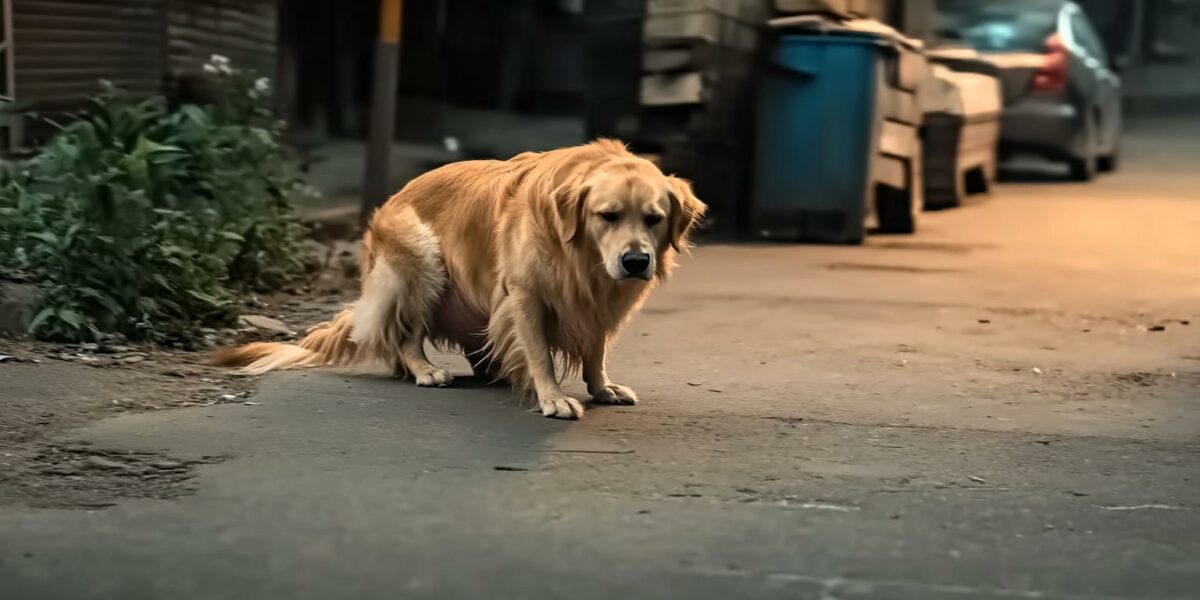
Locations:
1052 75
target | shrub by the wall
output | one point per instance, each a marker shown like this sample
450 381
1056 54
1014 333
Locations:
146 220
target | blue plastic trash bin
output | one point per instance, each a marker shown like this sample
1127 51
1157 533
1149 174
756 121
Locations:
816 131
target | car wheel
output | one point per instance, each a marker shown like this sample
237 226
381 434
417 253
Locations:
1108 164
1084 168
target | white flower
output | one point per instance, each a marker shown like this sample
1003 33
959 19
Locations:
262 85
218 64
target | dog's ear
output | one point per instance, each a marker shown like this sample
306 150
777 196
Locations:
686 211
571 200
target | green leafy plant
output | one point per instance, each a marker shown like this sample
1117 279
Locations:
146 220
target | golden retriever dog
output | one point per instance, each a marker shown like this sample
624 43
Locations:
528 266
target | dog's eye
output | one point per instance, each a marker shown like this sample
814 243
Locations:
654 219
609 216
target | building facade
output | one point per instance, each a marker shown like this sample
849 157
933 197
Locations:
55 51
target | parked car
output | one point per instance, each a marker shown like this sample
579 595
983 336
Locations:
1062 95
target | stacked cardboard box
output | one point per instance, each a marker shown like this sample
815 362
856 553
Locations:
869 9
964 100
897 170
699 64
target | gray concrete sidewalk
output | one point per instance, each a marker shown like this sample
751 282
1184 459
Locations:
366 489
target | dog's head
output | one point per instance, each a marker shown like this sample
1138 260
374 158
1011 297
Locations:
631 215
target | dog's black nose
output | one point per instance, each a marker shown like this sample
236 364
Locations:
635 263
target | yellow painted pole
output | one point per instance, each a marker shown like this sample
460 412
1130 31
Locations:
389 21
382 126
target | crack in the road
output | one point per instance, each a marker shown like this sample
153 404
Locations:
1147 507
830 586
1133 320
1044 439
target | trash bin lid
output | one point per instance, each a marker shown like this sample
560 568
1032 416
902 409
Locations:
846 36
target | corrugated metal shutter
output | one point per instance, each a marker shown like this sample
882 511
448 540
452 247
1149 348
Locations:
64 47
241 30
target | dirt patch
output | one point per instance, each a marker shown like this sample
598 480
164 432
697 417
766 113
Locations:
849 266
80 476
1136 379
655 310
49 389
938 247
1184 383
54 389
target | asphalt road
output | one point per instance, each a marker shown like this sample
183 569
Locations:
986 410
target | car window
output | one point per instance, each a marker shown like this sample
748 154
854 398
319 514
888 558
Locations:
1086 37
998 27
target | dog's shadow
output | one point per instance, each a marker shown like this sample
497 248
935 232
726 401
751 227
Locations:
480 382
495 392
477 382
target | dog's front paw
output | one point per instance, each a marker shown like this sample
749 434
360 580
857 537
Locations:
560 406
615 394
434 378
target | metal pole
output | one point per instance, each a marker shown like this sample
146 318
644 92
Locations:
383 108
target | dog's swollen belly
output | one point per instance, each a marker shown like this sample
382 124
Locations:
456 323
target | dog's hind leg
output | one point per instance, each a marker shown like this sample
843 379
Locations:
413 361
401 288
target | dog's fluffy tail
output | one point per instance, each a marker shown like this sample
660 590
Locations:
403 278
326 344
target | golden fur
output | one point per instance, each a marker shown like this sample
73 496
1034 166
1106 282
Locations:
517 263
